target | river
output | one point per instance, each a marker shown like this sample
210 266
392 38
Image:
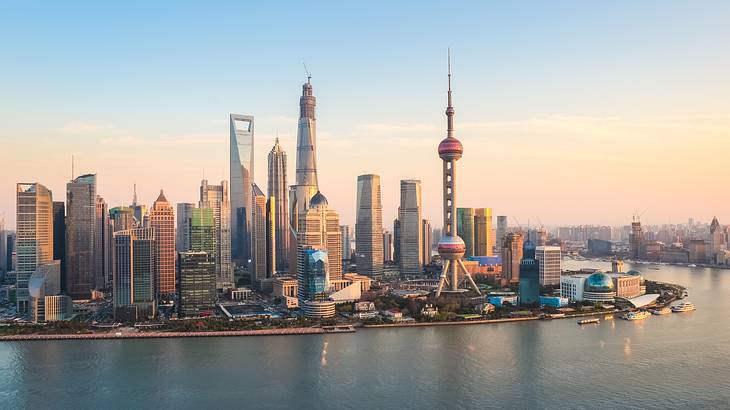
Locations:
677 360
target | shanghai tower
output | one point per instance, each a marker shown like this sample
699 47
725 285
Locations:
305 186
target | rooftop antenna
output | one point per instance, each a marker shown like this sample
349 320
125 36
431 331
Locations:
72 167
309 75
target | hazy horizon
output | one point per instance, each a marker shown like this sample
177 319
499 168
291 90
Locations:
572 118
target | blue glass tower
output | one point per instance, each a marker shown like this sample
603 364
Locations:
313 274
529 275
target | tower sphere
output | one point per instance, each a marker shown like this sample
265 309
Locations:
451 247
450 148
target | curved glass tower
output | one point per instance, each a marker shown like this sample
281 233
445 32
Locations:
241 180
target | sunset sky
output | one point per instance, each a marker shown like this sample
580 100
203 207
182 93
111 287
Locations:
569 112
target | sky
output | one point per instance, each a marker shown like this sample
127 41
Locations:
569 112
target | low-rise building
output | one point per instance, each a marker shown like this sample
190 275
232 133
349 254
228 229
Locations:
284 286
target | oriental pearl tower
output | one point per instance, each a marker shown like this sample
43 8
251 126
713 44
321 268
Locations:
451 247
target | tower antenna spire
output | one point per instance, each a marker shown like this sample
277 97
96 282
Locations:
449 108
309 75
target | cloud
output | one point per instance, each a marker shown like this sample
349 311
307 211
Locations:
383 128
80 127
192 139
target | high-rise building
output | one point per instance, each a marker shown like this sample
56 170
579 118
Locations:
319 228
484 234
465 229
305 185
11 256
162 220
411 238
134 275
216 198
529 289
451 247
202 232
197 283
242 166
81 228
182 229
387 247
271 208
346 244
59 240
122 218
258 238
512 245
427 236
313 275
277 189
369 226
501 231
102 246
45 281
34 236
549 261
717 240
396 241
636 240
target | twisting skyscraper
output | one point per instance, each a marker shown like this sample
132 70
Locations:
277 190
305 186
451 247
241 155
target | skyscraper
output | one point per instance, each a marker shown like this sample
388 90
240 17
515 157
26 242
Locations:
451 247
197 283
182 232
426 234
313 275
512 256
717 240
484 234
102 245
369 226
346 244
549 261
501 231
134 292
411 234
258 238
271 208
34 235
319 228
59 240
465 229
202 232
529 289
636 240
305 186
216 198
277 189
387 246
81 237
242 166
396 241
122 218
162 220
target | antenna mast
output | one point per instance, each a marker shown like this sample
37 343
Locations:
309 75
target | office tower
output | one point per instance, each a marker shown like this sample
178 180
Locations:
81 236
202 232
216 198
717 240
134 275
162 220
277 189
59 239
369 226
636 240
346 244
319 227
396 241
548 258
182 229
241 155
387 247
451 247
197 283
465 229
512 245
426 234
102 245
529 289
34 236
313 273
484 234
271 208
305 186
501 231
139 211
258 238
45 281
122 218
411 238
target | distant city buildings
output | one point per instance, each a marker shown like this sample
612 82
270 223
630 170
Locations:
501 231
409 227
369 226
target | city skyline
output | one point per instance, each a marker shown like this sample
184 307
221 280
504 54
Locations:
606 117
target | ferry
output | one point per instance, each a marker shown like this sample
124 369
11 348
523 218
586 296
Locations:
691 265
608 317
683 307
637 315
589 321
661 311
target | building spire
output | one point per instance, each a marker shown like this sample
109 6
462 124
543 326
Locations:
134 196
449 108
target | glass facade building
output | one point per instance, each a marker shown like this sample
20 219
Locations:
197 283
313 274
241 168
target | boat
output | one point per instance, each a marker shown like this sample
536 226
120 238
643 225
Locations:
653 267
661 311
608 317
636 315
685 306
589 321
691 265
